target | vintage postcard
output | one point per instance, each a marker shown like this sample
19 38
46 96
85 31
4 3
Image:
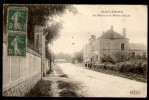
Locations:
75 50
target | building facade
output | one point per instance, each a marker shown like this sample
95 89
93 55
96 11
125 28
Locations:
137 49
110 43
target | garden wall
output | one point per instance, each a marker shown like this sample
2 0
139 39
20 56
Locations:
20 74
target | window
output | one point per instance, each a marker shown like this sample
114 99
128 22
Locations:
92 49
109 46
96 47
91 59
103 45
96 57
122 46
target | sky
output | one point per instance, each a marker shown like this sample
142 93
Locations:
78 28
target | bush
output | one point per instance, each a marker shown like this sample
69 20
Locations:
105 67
107 59
119 56
101 66
132 67
144 67
138 65
111 67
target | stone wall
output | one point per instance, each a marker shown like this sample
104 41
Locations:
23 87
20 74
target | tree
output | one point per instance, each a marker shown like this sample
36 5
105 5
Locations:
63 56
38 14
78 56
120 56
107 58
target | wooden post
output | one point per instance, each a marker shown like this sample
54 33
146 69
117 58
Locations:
50 59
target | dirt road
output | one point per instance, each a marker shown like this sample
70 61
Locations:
96 84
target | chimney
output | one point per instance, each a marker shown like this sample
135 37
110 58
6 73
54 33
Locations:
111 28
111 32
124 32
92 37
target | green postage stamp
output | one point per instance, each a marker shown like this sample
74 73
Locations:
16 44
17 19
17 31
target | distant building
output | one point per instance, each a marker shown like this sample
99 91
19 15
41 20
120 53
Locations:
138 49
109 43
60 60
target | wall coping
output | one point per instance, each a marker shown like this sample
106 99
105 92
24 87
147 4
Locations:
33 52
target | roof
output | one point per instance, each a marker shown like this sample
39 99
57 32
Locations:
137 46
112 35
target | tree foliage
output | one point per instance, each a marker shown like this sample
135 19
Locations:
120 56
107 58
49 54
63 56
38 14
78 56
53 32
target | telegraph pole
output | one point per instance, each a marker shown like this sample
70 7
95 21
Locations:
86 52
50 58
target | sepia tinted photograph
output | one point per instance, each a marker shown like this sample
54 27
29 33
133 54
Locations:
74 50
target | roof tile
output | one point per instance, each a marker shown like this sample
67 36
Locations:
111 35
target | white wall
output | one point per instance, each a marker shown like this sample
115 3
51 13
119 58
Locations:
17 69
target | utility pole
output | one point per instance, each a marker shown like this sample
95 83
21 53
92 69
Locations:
86 52
50 59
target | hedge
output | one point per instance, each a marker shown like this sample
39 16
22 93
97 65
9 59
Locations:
139 67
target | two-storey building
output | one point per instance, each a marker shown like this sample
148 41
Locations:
110 43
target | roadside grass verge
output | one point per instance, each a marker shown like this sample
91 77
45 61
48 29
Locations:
132 76
68 89
41 89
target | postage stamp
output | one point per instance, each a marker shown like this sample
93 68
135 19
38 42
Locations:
17 19
16 44
17 31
